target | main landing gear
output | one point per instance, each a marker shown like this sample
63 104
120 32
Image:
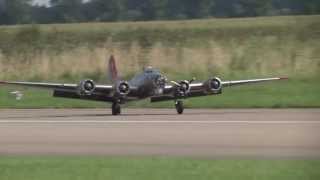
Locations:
179 106
116 109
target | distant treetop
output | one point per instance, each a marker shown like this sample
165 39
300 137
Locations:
65 11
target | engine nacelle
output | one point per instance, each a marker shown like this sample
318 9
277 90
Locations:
183 88
86 87
160 82
123 88
214 85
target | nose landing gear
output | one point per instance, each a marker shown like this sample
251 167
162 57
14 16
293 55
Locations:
179 106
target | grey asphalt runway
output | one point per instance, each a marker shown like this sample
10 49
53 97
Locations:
253 133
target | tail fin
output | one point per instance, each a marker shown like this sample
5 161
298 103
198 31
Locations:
113 72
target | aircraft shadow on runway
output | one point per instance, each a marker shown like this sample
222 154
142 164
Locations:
130 115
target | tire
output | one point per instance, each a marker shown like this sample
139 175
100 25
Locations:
116 109
179 107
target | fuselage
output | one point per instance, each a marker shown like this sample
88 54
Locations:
149 83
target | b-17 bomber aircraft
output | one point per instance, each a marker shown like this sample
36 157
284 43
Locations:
148 84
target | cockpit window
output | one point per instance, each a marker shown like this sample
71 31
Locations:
148 70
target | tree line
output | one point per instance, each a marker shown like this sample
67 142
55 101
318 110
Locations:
65 11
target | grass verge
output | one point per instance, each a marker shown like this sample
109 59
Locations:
65 168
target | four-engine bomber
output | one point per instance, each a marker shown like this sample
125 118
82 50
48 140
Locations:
148 84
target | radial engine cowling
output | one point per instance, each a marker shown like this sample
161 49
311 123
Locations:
86 87
123 88
183 88
214 85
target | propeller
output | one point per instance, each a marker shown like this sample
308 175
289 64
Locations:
161 81
123 88
183 87
179 85
86 87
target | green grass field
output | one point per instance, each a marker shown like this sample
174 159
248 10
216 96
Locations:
66 168
282 94
239 48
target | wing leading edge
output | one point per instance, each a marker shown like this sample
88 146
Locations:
250 81
53 85
41 85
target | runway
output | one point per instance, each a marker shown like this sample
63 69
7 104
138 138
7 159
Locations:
232 133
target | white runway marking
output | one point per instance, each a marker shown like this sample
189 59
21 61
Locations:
156 122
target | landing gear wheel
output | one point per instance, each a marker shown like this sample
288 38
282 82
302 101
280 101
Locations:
179 107
116 109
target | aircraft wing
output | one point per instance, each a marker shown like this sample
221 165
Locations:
202 89
41 85
250 81
53 85
100 93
